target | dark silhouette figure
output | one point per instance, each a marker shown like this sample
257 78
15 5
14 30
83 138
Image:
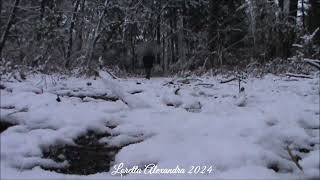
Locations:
148 60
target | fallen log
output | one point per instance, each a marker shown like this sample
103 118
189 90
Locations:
299 75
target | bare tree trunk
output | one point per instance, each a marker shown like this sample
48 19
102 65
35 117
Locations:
132 50
81 26
281 4
69 50
173 59
168 53
182 34
303 15
0 13
252 10
213 29
293 10
176 43
158 39
286 7
163 55
96 35
158 31
41 15
313 19
8 27
42 6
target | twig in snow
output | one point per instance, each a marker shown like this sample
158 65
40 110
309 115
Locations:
204 84
135 91
294 158
177 91
228 80
170 82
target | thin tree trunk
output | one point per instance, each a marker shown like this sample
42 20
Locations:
281 4
41 15
163 55
168 53
172 40
293 10
182 34
158 39
8 27
96 35
176 43
303 15
213 30
81 26
313 19
158 21
69 50
0 13
42 6
286 7
172 50
132 49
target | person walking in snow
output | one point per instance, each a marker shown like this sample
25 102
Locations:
148 59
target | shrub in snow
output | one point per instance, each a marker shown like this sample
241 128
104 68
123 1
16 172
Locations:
241 99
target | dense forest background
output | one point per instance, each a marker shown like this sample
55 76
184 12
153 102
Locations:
187 35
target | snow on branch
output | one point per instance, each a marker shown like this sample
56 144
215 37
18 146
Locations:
313 62
129 99
299 75
309 38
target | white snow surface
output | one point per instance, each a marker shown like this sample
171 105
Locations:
239 142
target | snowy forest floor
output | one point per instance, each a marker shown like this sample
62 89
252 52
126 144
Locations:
266 132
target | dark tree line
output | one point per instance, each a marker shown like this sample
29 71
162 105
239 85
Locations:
186 34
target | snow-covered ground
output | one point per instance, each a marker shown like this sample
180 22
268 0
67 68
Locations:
185 123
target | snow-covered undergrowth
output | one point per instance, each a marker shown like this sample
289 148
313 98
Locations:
185 123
